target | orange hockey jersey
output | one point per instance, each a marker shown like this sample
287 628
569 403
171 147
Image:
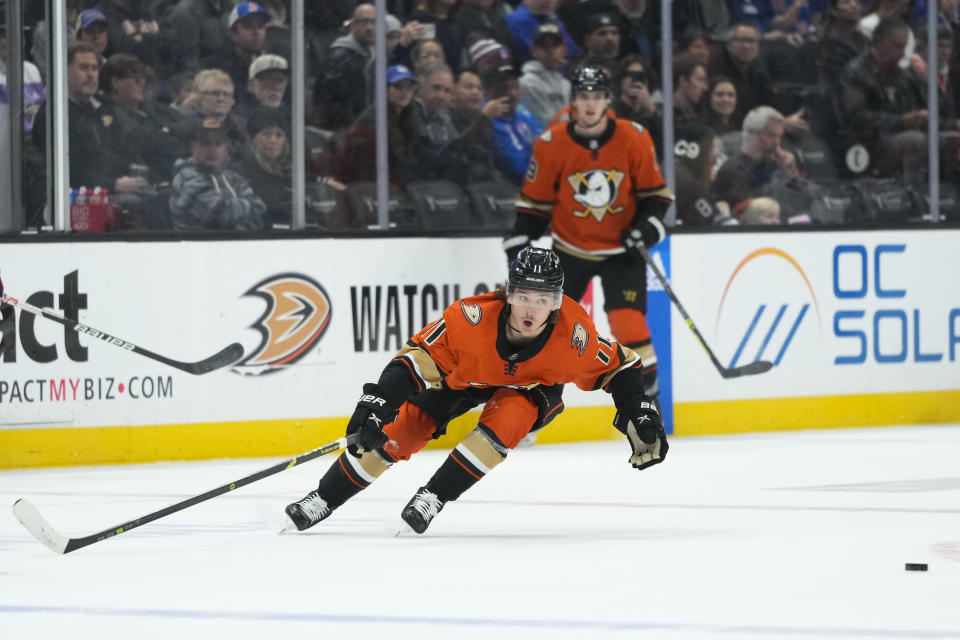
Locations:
467 348
588 187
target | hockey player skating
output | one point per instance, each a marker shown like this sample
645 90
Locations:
595 183
511 351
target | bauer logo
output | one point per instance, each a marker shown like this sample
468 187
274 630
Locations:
766 304
297 315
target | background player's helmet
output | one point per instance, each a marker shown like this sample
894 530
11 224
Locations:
538 270
590 78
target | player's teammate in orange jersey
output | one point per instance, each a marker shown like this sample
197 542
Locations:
594 182
511 351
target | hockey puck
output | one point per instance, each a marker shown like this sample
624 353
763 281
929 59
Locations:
912 566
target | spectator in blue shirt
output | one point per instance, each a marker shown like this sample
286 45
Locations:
526 20
515 131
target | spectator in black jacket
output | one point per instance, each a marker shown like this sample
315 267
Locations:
91 163
886 106
134 30
247 33
266 163
341 91
199 31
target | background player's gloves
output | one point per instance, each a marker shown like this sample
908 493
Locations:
374 411
645 232
512 245
640 421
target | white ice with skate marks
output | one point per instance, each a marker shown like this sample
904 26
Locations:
783 535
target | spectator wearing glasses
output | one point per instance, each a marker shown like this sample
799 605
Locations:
633 99
206 194
739 61
212 97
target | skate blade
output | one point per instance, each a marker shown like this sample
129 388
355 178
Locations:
405 531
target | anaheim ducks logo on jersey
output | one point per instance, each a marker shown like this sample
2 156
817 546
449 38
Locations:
596 190
297 314
580 338
472 312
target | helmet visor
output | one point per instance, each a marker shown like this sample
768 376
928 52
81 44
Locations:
536 298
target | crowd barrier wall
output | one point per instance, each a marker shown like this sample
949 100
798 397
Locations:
864 329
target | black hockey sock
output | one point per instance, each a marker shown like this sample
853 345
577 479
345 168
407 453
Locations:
454 476
344 479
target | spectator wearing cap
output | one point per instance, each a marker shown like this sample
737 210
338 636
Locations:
515 131
357 158
341 90
132 29
92 29
247 32
130 126
601 36
543 89
199 31
267 85
212 98
266 163
526 20
206 195
484 19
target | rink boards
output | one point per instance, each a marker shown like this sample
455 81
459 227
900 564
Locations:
863 328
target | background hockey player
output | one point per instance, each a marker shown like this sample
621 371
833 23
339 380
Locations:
511 351
595 184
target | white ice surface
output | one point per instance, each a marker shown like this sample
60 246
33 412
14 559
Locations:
784 535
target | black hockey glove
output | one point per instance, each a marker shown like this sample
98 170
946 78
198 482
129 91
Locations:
374 411
640 421
645 232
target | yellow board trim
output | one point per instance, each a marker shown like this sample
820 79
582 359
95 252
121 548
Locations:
816 412
25 448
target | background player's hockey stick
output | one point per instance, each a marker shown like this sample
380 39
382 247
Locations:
40 529
227 355
760 366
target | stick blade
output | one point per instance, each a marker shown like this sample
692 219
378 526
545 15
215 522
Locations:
38 527
225 357
752 369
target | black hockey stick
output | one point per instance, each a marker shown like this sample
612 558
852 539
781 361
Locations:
40 529
226 356
760 366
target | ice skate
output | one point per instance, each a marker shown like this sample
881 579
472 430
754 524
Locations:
308 511
422 509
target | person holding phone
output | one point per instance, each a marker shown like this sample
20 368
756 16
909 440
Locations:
516 129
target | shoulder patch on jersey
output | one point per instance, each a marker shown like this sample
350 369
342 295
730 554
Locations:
532 169
580 338
547 136
637 126
472 312
106 119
